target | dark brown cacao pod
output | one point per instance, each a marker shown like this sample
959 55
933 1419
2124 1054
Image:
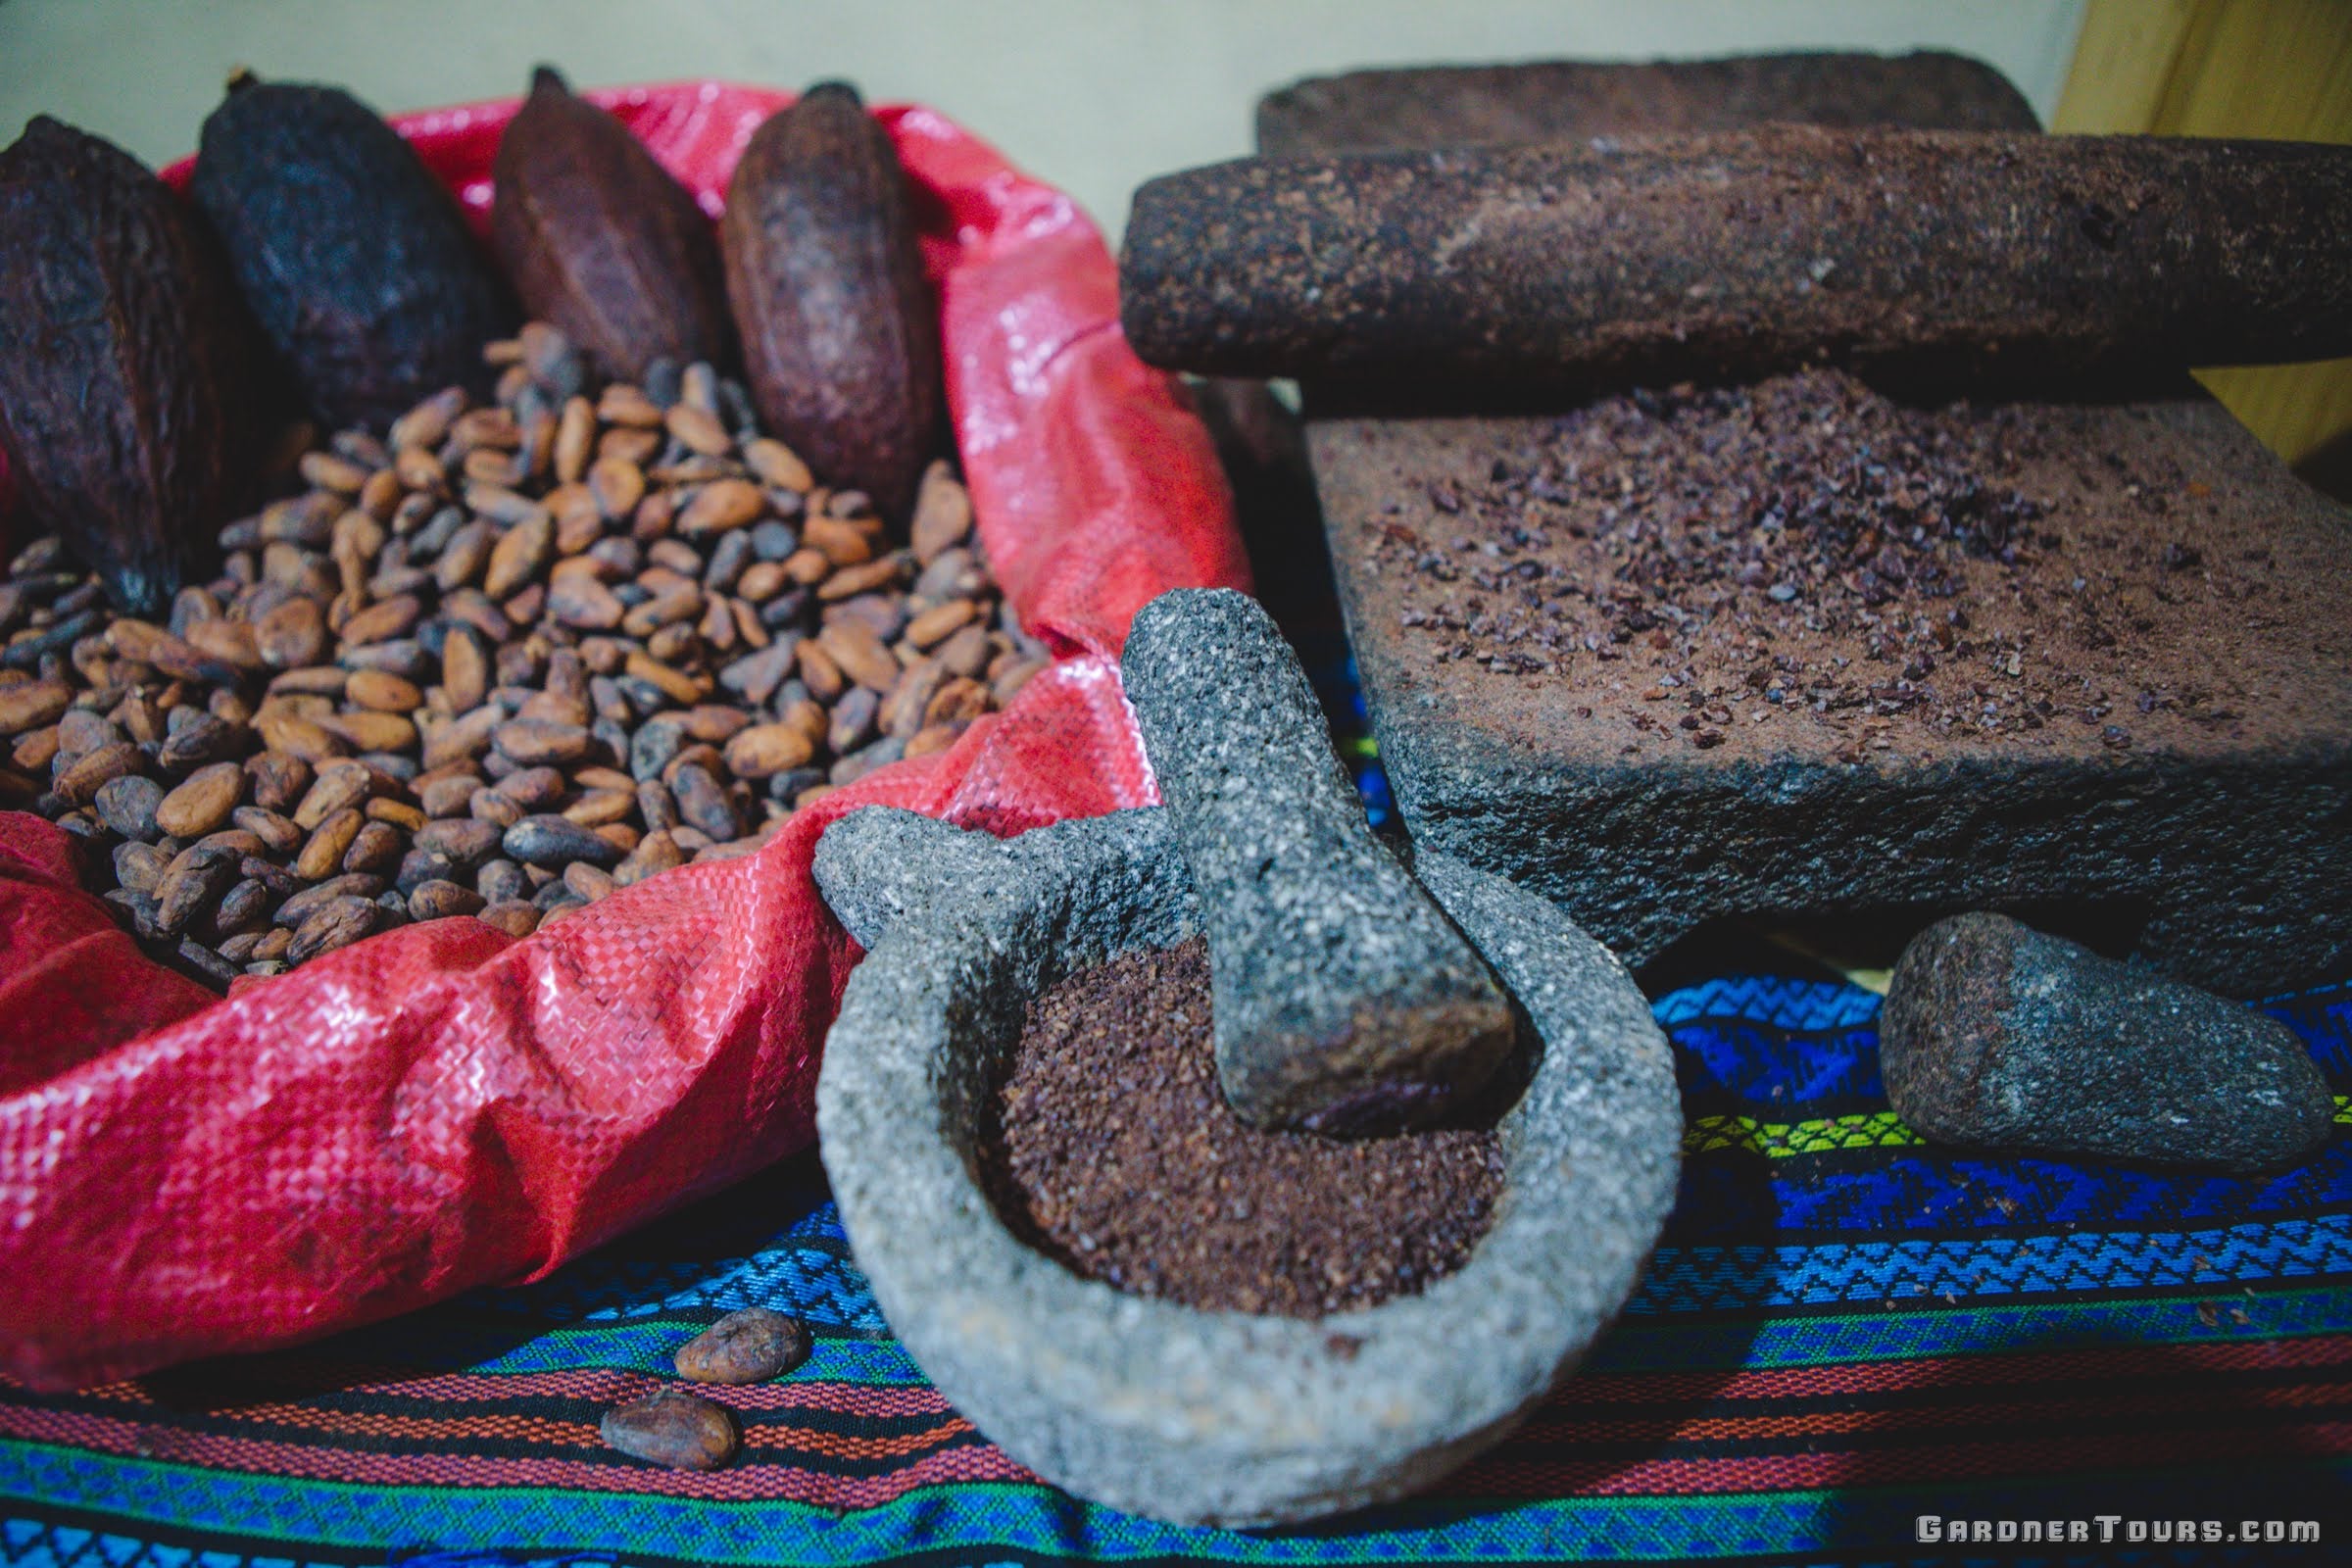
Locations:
354 258
602 242
840 333
127 397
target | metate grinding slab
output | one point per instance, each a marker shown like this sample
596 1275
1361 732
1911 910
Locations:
1567 625
2113 668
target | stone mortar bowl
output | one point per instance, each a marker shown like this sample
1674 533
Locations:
1192 1416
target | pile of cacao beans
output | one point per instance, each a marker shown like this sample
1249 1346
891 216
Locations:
553 610
650 637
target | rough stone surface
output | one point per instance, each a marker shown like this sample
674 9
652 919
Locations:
2221 841
1345 1001
1744 252
2192 777
1572 100
1214 1417
1998 1037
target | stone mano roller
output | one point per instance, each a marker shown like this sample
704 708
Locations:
1744 252
1570 100
1345 1001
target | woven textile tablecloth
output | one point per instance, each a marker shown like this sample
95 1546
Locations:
1842 1329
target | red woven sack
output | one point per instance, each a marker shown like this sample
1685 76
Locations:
441 1106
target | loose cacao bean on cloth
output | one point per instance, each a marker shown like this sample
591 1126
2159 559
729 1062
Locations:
442 1105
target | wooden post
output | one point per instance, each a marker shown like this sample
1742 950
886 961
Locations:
2231 67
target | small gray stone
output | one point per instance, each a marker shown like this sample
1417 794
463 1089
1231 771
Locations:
1998 1037
1344 999
1201 1417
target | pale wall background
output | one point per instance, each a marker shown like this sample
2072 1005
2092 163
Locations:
1096 95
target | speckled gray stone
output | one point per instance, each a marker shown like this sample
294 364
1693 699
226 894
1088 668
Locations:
1345 1001
1998 1037
1211 1417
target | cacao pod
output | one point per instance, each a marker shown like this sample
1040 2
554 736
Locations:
354 258
128 392
840 334
602 242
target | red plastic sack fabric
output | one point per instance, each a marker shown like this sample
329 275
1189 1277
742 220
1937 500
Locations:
441 1106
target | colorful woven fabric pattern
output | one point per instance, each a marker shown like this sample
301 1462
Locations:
1844 1329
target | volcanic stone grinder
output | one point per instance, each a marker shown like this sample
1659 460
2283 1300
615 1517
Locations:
1192 1416
1614 262
1225 1417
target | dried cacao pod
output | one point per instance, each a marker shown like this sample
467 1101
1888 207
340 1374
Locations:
602 242
353 256
127 390
840 334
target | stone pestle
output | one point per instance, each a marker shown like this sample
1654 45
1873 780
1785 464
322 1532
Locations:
1999 1036
1346 1001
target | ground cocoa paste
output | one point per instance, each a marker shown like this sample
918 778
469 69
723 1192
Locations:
1810 549
1109 1148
